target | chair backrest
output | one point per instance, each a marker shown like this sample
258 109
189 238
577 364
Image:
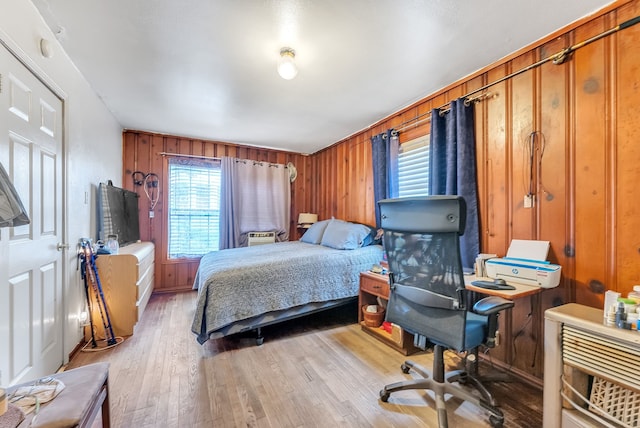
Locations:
421 240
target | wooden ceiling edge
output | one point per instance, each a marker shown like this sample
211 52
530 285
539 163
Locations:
463 80
228 143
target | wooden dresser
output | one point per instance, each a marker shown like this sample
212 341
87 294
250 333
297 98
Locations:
127 284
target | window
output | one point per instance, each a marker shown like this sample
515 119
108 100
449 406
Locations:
194 207
413 168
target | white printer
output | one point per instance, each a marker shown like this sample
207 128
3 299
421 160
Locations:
525 263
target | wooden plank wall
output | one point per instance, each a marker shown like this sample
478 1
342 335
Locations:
141 153
585 117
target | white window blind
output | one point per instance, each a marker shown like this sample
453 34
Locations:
194 207
413 168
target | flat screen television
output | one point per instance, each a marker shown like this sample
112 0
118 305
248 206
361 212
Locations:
118 214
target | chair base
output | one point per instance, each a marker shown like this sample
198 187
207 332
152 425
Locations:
442 384
471 363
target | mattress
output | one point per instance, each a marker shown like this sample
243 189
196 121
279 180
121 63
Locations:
242 283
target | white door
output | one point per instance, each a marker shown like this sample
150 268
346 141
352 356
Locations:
31 305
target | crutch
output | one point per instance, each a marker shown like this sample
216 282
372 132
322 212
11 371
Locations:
83 273
94 278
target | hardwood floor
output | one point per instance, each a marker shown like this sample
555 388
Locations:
319 371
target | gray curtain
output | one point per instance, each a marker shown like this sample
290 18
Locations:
255 197
453 168
229 234
12 212
384 153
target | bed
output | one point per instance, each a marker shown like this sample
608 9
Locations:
244 289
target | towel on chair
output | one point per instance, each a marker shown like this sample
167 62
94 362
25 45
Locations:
29 397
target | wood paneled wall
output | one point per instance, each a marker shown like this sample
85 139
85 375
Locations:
585 115
141 153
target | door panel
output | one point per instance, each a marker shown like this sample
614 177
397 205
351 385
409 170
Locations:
20 324
19 170
31 271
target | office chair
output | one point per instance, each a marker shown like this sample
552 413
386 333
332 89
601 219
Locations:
428 299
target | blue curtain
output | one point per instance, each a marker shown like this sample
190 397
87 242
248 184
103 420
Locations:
453 168
384 152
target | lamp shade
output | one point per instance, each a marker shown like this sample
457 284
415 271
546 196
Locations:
307 219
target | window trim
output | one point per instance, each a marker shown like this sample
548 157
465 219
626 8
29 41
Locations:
188 162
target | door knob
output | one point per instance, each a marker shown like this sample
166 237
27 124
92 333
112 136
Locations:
60 246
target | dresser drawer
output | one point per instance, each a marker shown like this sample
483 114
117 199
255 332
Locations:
145 264
145 288
144 281
375 284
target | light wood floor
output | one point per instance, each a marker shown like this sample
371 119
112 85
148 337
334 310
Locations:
320 371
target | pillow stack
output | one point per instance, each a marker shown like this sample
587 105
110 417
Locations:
339 234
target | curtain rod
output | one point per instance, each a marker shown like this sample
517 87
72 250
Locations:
218 159
426 117
557 58
188 156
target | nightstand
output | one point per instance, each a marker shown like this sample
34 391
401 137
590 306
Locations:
372 286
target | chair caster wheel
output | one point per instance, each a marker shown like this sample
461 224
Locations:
405 368
496 422
259 340
384 395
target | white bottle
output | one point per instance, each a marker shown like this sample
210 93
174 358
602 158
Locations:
635 294
112 244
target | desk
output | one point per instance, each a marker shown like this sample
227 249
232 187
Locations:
504 354
520 291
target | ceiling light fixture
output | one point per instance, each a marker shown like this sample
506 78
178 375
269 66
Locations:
286 66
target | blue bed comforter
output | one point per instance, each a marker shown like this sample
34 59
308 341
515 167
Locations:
240 283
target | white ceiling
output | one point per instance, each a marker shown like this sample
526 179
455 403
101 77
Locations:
207 68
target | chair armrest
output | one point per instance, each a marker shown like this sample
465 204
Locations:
491 305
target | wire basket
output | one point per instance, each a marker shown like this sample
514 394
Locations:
615 401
